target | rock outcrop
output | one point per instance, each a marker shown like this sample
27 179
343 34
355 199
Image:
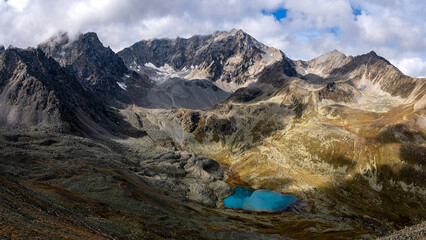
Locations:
187 177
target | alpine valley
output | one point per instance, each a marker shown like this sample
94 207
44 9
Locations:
147 142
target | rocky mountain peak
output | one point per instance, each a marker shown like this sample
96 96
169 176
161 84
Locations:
369 59
92 38
67 50
234 33
97 67
90 44
320 67
57 47
332 56
372 53
367 72
1 48
244 41
336 53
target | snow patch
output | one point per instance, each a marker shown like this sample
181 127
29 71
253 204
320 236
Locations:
166 72
122 85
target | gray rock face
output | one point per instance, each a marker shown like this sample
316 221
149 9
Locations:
1 48
35 92
187 177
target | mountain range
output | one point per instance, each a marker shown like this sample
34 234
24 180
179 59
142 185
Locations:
146 142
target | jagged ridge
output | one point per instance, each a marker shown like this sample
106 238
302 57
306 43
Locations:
230 59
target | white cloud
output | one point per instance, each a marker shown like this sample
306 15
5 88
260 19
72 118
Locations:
394 29
412 66
319 14
18 4
387 29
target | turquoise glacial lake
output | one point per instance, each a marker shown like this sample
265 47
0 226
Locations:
258 200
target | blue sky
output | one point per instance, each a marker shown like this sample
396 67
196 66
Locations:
278 13
395 29
356 11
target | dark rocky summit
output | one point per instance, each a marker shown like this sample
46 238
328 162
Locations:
96 66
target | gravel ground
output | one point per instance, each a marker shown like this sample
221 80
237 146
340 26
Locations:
415 232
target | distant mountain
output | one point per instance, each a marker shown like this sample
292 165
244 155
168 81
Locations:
230 59
35 92
366 72
1 48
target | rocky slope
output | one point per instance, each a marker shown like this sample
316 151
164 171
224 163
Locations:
35 92
57 186
409 233
181 93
